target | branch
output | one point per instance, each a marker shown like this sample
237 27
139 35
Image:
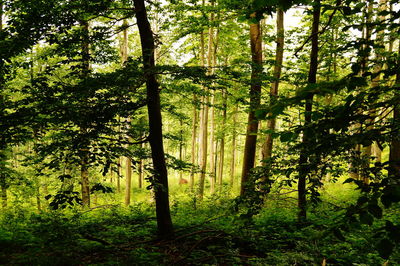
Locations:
338 2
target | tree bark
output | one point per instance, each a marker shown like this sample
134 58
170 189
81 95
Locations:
394 155
140 177
234 135
194 136
307 137
255 92
128 185
181 148
222 147
128 161
164 222
85 188
271 123
203 126
3 195
3 182
210 63
119 174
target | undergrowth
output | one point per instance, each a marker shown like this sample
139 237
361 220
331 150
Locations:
211 232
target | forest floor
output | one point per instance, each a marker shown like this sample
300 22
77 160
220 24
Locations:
213 232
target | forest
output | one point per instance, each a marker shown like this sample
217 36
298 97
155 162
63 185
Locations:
187 132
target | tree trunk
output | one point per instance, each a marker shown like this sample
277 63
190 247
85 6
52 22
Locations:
194 136
164 222
203 127
128 161
210 63
140 177
128 186
380 35
85 150
3 195
255 91
307 137
119 175
181 148
222 147
233 161
2 182
280 39
394 155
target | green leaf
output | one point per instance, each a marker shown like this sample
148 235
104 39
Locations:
348 180
261 114
385 248
287 136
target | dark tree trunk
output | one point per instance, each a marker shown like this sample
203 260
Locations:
85 189
307 137
255 91
164 222
3 182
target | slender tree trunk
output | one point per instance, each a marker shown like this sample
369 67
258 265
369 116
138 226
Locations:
280 39
38 203
119 175
85 188
141 166
203 126
222 146
234 135
194 136
128 161
394 155
3 196
164 222
255 91
128 186
2 182
210 63
307 137
380 35
181 148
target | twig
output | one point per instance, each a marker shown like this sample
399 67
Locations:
92 238
338 2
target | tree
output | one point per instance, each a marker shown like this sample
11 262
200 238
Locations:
307 134
280 40
160 183
255 94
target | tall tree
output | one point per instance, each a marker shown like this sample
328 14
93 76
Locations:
255 92
2 158
164 222
222 146
280 40
203 124
307 135
211 54
394 155
84 152
234 136
128 161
